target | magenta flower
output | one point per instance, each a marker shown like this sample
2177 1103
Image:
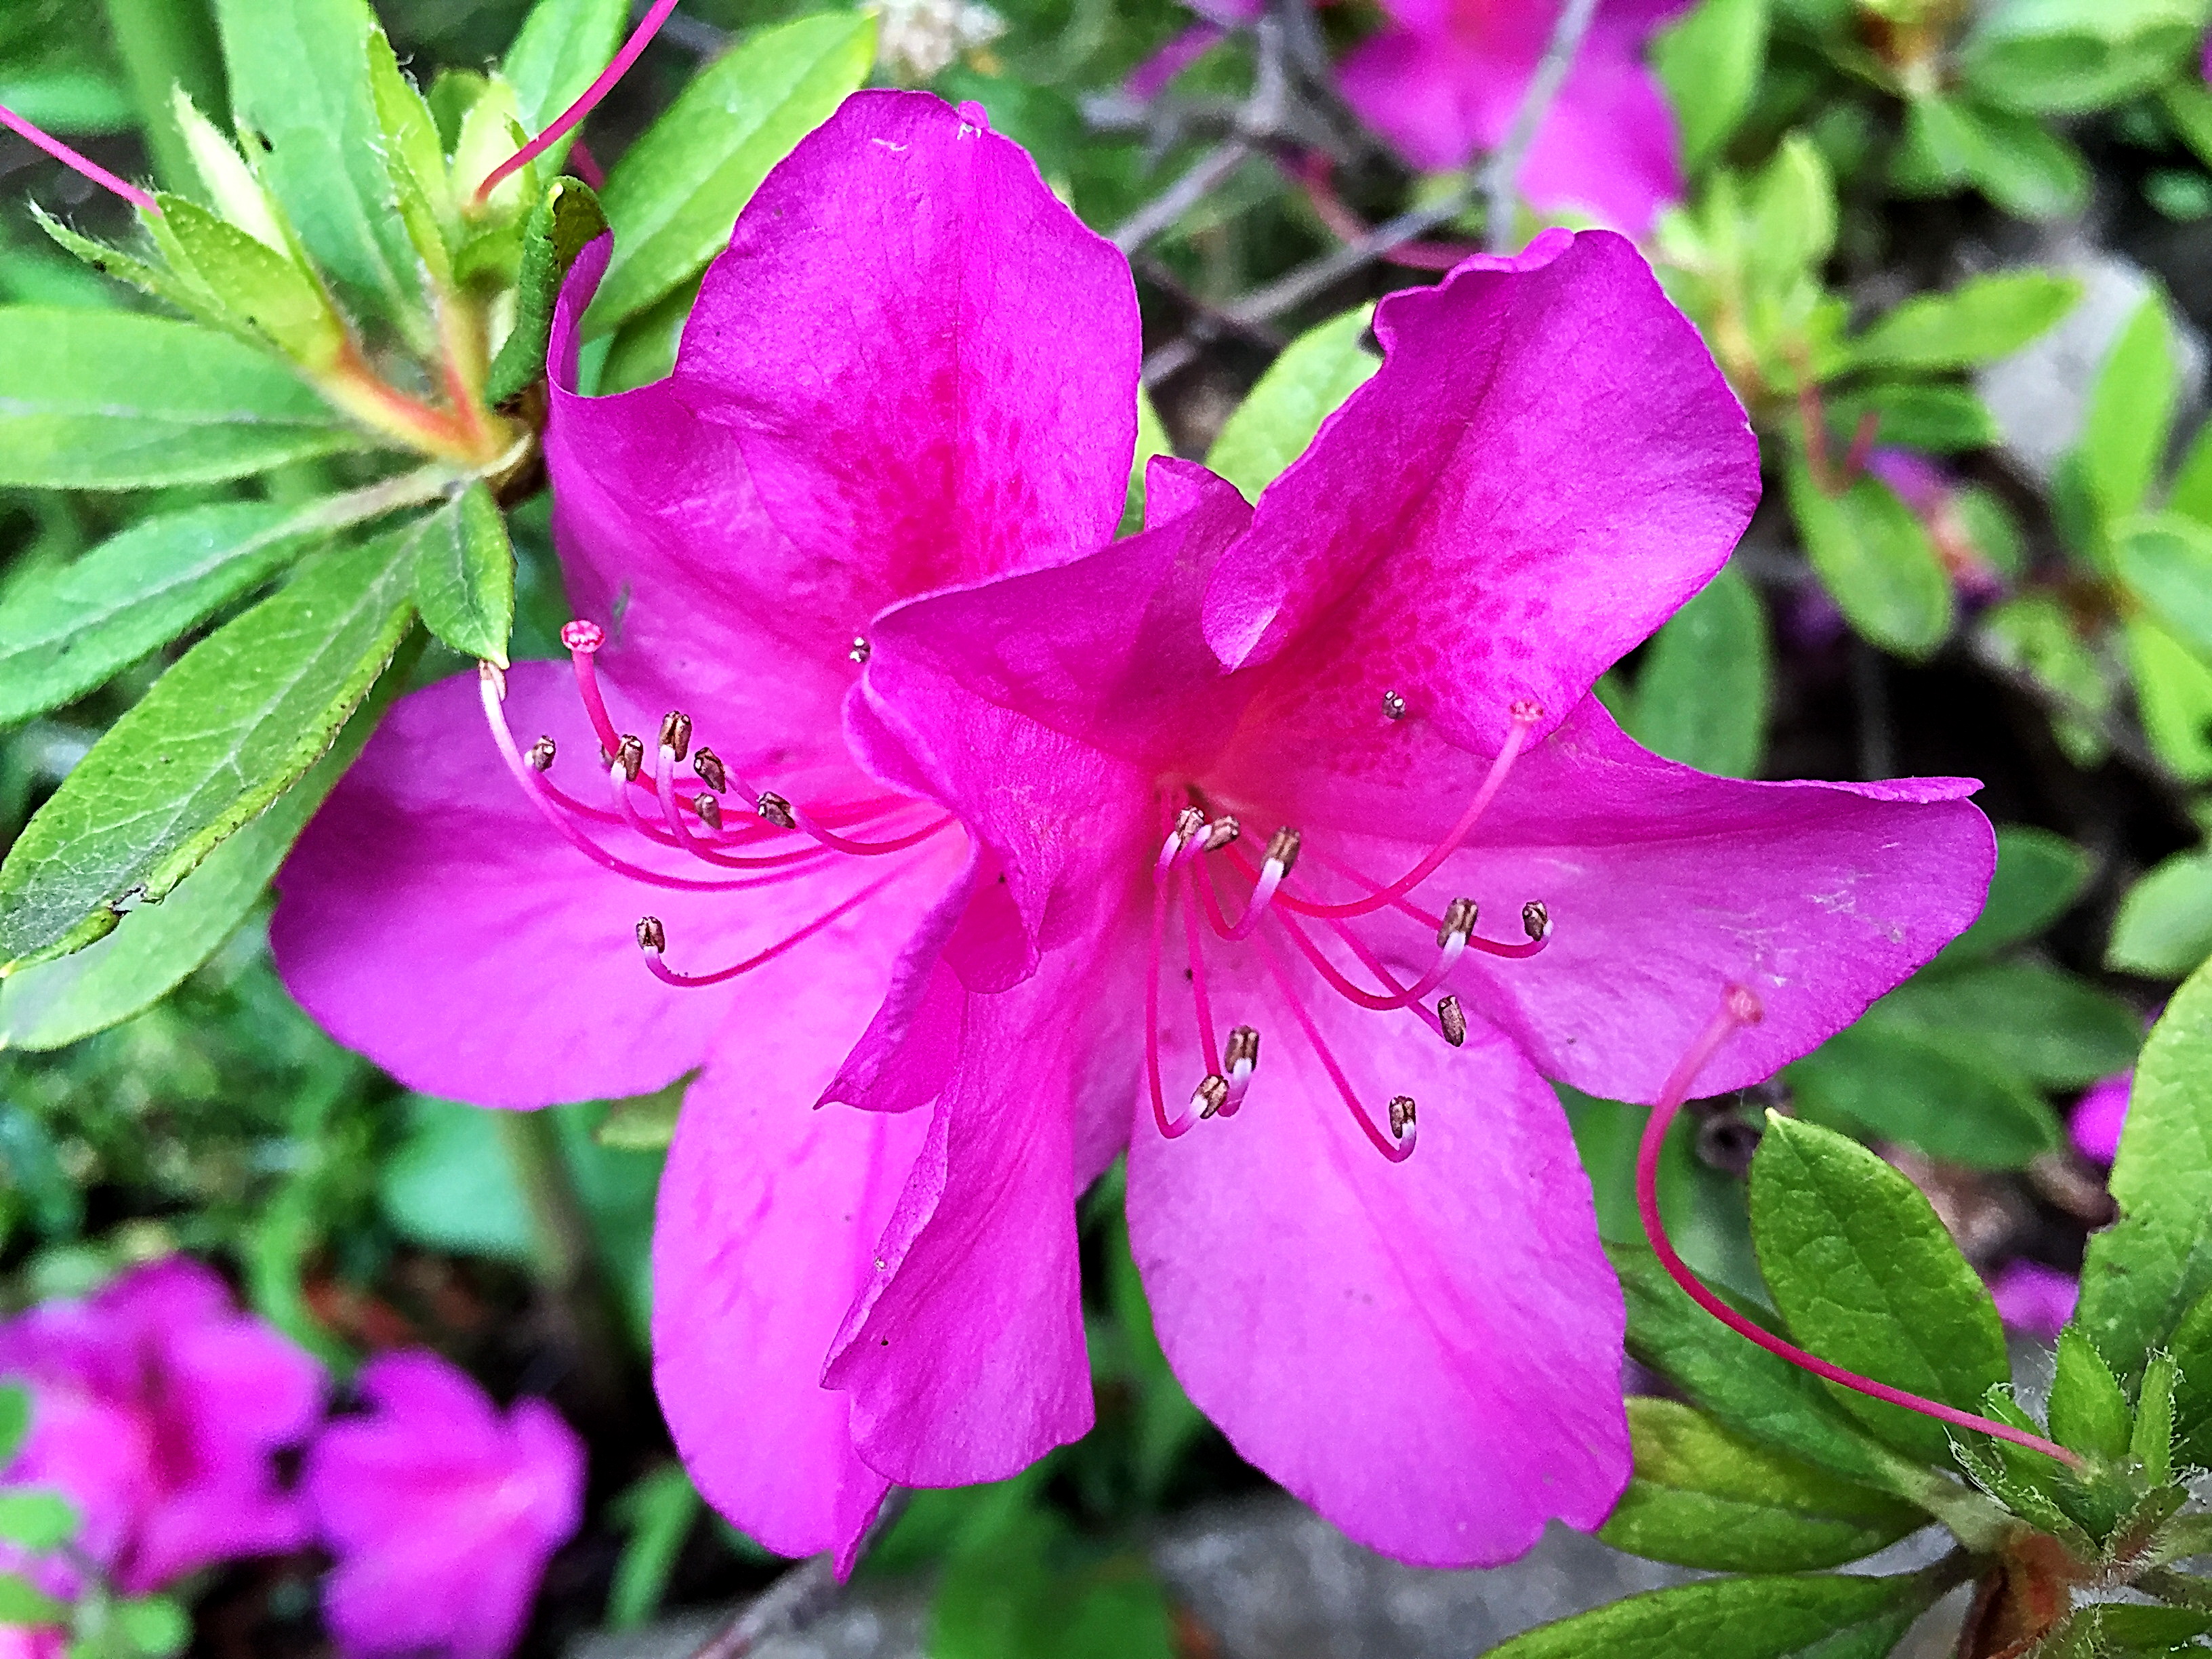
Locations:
2034 1299
1445 79
913 368
1424 1345
2099 1115
441 1513
157 1409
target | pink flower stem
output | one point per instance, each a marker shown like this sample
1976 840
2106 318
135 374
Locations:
79 164
640 38
1740 1008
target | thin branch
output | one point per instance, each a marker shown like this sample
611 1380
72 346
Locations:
1262 115
799 1598
1503 169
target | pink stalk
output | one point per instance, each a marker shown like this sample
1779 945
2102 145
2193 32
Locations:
638 39
77 163
1740 1008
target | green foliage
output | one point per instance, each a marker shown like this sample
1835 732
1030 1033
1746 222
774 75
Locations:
23 1602
566 220
1978 322
1021 1588
2062 57
1780 1617
1701 697
2088 1408
464 576
2164 929
1874 558
1302 388
1937 1090
1709 63
658 1512
2131 414
559 51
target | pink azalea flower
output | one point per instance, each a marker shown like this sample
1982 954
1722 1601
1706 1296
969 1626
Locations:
156 1409
1424 1345
912 367
2099 1115
1445 80
440 1512
2034 1299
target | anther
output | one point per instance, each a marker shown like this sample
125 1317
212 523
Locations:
1393 706
708 765
1283 849
1459 920
1188 824
1212 1092
584 636
540 755
1242 1048
676 733
777 811
860 650
708 809
1402 1115
1452 1018
1535 920
1219 834
651 935
630 757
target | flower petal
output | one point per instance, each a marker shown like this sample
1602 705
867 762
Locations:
1609 147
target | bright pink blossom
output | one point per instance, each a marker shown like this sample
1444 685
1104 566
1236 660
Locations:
157 1409
2034 1299
1445 80
1424 1343
440 1512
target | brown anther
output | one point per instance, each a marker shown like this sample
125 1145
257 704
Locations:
581 635
1452 1018
1212 1094
1188 824
1535 920
1393 706
777 811
540 755
1402 1115
1219 834
708 809
860 649
1459 918
1242 1048
708 765
1527 711
651 935
676 733
630 757
1283 849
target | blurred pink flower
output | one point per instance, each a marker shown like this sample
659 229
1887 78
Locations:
2099 1115
1446 78
2034 1299
1932 493
440 1512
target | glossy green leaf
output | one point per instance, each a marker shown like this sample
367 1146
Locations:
2144 1273
23 1602
1704 1497
2049 1026
1301 389
1875 560
465 577
111 400
1978 321
566 220
676 192
2165 559
2131 413
1867 1277
2164 929
1942 1092
559 51
37 1521
238 721
1709 63
1936 418
1827 1616
1701 696
2089 1410
2039 876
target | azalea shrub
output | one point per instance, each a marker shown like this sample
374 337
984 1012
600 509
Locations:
902 788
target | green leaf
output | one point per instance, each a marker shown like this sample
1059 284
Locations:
37 1521
14 1419
1978 322
1940 419
450 1186
566 220
1709 64
2049 1026
1301 389
1791 228
2021 165
2090 1410
464 576
2064 56
1822 1616
1701 696
2150 1438
1941 1092
1152 440
147 278
658 1513
2173 695
1704 1497
1874 558
238 721
560 51
2039 876
155 1626
2144 1271
645 1123
2165 559
676 192
2164 929
1025 1589
2191 1348
111 400
298 78
1867 1277
2191 492
414 160
23 1602
2037 636
2131 413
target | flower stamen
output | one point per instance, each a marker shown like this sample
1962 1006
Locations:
652 939
584 640
1242 1055
1405 1132
81 165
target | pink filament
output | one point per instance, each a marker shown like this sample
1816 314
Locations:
692 981
586 166
1738 1009
640 37
1396 1151
691 842
1170 1127
867 849
79 164
1198 992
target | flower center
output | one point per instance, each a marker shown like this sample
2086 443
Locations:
1275 911
778 841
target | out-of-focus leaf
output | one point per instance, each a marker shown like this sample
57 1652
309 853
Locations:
2173 697
658 1513
1815 1616
2049 1026
559 51
1938 1091
2191 493
1874 558
2035 634
166 46
37 1521
464 576
110 400
1709 64
23 1602
2038 875
1790 227
155 1626
14 1419
1303 387
450 1186
1940 420
2165 559
644 1124
1702 695
2142 1272
2065 56
566 220
2164 929
1030 1591
69 100
1152 440
2021 165
1868 1279
2131 413
676 192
